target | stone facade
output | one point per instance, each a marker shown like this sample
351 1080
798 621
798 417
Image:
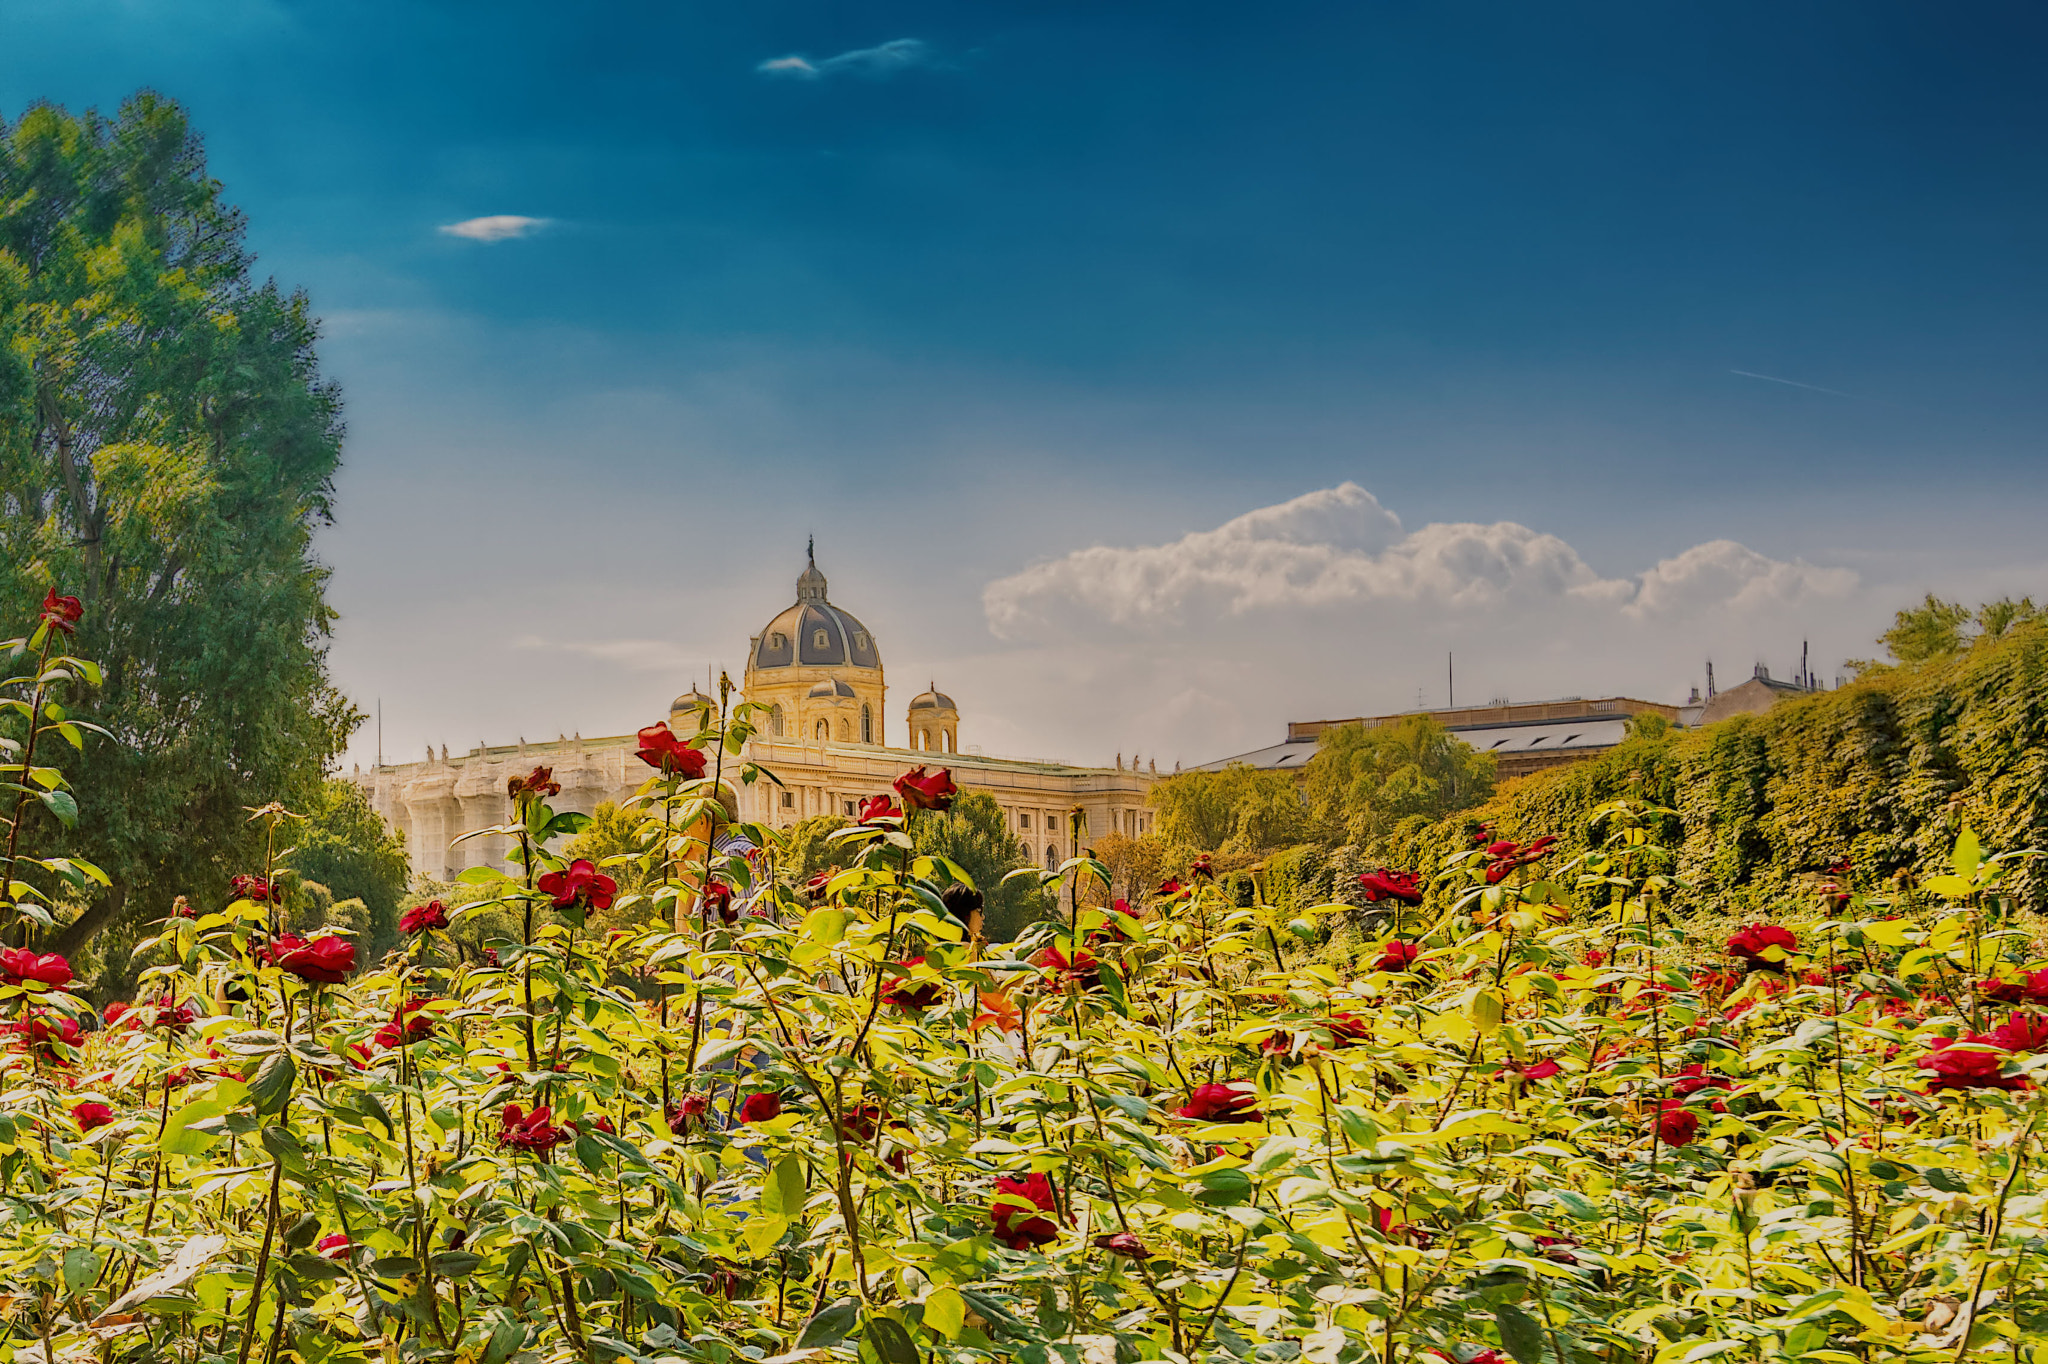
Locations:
820 671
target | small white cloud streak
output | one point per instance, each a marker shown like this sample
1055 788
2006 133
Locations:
496 227
631 655
885 59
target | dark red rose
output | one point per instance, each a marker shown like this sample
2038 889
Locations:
1202 868
688 1112
1170 888
164 1012
61 613
921 792
1972 1061
43 1032
2022 1032
1232 1102
533 1131
877 808
410 1023
1399 956
323 961
1346 1030
582 884
659 747
89 1115
420 918
1677 1125
1503 856
21 966
1521 1079
333 1246
915 998
1753 942
1405 886
1694 1078
599 1123
816 886
181 908
760 1107
718 900
1842 867
2030 989
253 888
1123 1243
1016 1228
539 782
1083 969
1557 1248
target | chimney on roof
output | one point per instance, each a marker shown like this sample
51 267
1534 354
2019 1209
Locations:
1710 679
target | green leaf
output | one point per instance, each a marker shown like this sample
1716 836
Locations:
1272 1154
81 1267
271 1087
194 1127
61 804
783 1195
1967 855
892 1343
1113 986
454 1264
830 1326
945 1312
1222 1188
1520 1333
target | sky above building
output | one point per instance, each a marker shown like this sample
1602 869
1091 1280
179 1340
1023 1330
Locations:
1149 374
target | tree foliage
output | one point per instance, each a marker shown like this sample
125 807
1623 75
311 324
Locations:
1236 809
1365 780
167 447
347 847
976 835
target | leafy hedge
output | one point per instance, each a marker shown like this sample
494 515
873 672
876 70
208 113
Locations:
1884 773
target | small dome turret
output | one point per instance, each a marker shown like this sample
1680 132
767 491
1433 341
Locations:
934 722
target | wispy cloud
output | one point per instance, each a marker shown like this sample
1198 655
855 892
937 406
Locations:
634 655
495 227
1794 383
898 54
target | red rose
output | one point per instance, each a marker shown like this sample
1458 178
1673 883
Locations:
760 1107
1032 1189
253 888
539 782
1083 969
915 998
921 792
877 808
688 1112
2022 1032
1839 868
718 900
181 908
1523 1078
323 961
420 918
1399 956
1125 1244
1202 869
816 887
21 966
333 1247
1969 1062
89 1115
659 747
1677 1125
1405 886
582 882
533 1131
44 1032
1753 943
1503 856
600 1123
1694 1078
410 1023
1232 1102
162 1012
2031 989
1170 888
61 613
1347 1030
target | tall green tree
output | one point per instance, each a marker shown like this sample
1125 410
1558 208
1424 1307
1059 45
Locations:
1933 629
346 846
977 837
1238 809
167 447
1365 780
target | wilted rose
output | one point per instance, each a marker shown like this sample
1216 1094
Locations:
921 792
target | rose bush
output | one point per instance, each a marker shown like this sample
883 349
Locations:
841 1128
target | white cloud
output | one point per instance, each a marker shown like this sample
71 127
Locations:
1325 605
497 227
662 656
886 59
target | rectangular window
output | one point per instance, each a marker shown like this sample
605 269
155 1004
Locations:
1023 820
789 800
847 805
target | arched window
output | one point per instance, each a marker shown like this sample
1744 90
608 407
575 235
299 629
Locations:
947 739
822 730
775 720
1052 858
845 731
867 725
820 640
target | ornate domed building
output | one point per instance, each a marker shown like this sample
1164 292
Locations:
818 669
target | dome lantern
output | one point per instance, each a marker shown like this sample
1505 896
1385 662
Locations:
934 722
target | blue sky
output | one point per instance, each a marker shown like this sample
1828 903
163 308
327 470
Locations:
1013 305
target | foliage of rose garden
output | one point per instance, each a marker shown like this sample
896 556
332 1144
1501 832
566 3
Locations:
819 1120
